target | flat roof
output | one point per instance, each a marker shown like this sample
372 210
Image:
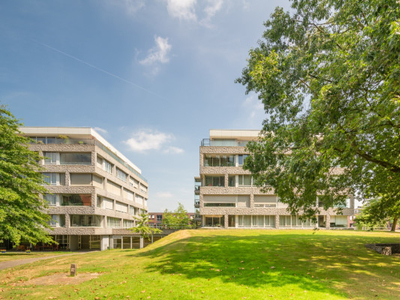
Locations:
76 132
233 133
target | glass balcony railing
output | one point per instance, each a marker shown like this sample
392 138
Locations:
54 140
229 143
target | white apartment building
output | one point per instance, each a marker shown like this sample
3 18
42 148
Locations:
227 197
94 190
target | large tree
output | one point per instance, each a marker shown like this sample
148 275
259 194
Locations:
22 210
328 74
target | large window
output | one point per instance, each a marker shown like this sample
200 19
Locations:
51 199
54 178
128 224
214 180
113 222
104 164
76 200
244 180
122 175
85 221
121 207
51 158
76 158
219 160
57 221
81 179
217 221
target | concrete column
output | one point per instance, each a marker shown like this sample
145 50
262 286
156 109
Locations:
122 242
226 183
277 221
131 243
141 242
226 223
251 200
236 221
328 222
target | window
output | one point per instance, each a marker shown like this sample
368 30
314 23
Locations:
113 222
143 188
51 199
214 180
134 183
242 158
108 204
99 202
122 175
54 178
214 221
128 195
76 200
121 207
139 199
159 218
232 180
51 158
81 179
85 221
57 221
113 187
219 160
128 224
219 204
244 180
76 158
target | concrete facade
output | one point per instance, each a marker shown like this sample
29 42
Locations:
94 190
228 198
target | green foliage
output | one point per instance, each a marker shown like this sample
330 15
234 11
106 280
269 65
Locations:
178 217
22 211
328 76
143 228
377 213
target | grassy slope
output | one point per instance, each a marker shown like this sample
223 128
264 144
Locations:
226 264
9 256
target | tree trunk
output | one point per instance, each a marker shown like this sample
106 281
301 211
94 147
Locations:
394 224
141 242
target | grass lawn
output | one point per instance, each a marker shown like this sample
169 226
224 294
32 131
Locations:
225 264
8 256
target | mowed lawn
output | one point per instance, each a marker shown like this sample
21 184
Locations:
225 264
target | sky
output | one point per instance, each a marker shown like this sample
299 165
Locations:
152 77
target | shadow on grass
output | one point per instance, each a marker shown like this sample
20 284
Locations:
313 262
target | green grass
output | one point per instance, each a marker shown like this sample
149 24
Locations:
226 264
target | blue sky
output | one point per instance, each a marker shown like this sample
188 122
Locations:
151 76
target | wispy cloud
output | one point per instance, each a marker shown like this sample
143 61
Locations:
182 9
186 10
129 6
211 9
147 139
252 113
157 55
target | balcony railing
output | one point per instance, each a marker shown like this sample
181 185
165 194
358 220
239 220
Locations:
229 143
67 141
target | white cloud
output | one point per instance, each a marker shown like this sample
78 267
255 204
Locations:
157 55
101 130
253 106
145 140
252 113
182 9
211 9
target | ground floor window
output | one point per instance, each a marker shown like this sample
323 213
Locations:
214 221
295 222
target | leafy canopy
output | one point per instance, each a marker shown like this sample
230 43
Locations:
22 210
178 217
328 76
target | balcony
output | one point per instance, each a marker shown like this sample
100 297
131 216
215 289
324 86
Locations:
197 203
197 190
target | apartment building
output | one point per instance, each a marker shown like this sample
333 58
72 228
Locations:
227 197
94 190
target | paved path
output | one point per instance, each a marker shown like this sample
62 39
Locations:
14 263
